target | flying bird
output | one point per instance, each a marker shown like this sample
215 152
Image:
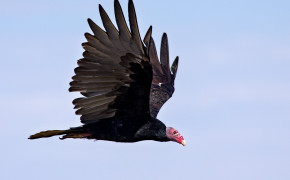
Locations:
123 84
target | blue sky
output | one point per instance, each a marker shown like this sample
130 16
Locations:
232 100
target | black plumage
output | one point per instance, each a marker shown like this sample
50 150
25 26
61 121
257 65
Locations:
123 84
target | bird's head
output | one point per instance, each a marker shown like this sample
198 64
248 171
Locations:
173 135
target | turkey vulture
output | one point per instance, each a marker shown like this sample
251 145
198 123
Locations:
123 84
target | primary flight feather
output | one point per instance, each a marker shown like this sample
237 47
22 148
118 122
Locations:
123 84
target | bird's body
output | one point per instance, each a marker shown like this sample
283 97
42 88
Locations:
116 130
123 84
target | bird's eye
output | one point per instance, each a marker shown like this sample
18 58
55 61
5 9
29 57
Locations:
174 132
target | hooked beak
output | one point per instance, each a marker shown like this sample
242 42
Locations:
183 142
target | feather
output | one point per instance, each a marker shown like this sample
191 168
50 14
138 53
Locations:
100 72
94 42
93 64
92 89
134 27
83 101
97 79
174 66
93 84
164 55
92 118
85 72
106 63
95 55
100 34
154 58
86 66
101 106
147 37
89 48
124 32
111 29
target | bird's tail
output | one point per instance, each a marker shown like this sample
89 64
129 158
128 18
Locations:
77 132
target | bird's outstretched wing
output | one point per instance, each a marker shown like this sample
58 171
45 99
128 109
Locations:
115 74
162 86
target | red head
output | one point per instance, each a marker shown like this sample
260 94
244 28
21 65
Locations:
174 135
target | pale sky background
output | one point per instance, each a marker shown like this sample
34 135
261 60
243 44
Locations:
232 98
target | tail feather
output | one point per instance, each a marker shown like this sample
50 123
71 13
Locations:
49 133
76 132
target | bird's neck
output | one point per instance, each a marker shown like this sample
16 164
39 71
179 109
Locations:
153 130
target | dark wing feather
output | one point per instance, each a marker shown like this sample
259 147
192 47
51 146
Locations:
115 75
147 37
164 55
162 86
124 31
136 42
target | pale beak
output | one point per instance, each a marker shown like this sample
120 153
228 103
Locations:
183 142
